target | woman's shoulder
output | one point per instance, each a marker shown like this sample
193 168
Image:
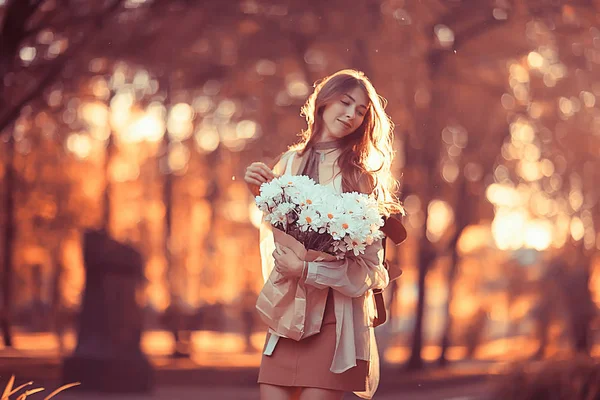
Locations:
289 153
280 166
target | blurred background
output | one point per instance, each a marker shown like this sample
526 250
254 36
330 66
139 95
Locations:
126 127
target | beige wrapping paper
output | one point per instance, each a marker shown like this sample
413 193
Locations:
282 302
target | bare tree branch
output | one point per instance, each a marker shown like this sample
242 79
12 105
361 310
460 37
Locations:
12 113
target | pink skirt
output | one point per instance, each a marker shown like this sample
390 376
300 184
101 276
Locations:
306 363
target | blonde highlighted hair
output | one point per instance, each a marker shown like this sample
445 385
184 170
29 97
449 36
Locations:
367 153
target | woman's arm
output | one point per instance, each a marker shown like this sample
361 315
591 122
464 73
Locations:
353 276
258 173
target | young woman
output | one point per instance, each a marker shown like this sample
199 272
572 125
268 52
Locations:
347 145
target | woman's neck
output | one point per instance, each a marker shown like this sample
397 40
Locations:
327 145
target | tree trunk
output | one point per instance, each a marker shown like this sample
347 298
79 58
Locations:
426 258
57 320
168 202
106 217
8 245
442 360
465 206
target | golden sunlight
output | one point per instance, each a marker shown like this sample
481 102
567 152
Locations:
440 217
473 238
120 110
178 157
148 127
519 73
529 170
80 145
522 131
247 129
179 123
94 113
508 227
536 60
207 137
538 234
577 228
503 195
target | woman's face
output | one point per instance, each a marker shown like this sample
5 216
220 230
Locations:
344 115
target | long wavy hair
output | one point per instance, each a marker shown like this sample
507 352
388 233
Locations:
367 153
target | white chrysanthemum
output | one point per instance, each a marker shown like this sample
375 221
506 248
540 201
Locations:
331 210
271 193
309 218
338 229
359 229
279 214
310 197
298 181
377 235
356 246
263 203
352 219
371 211
351 203
295 187
363 199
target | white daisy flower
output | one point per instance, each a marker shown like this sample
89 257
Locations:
309 218
271 193
309 197
338 229
356 246
296 181
351 203
279 216
352 220
331 210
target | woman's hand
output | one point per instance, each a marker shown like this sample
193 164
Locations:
257 173
287 262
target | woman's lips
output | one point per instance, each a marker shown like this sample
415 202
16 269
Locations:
346 124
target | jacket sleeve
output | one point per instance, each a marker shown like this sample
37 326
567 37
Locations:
353 276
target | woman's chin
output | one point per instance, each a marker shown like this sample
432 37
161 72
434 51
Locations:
335 134
340 133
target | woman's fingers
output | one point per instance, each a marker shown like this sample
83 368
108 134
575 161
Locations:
256 174
266 171
261 169
276 255
254 178
284 250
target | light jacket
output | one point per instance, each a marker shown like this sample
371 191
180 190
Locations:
352 280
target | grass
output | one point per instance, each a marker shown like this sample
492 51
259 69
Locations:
9 391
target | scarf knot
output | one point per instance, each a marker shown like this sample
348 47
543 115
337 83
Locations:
310 161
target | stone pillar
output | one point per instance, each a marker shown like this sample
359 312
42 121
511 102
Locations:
108 357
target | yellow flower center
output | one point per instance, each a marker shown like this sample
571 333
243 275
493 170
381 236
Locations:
308 219
330 216
308 201
345 226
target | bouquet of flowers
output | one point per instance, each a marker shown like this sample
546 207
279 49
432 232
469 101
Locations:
319 218
317 224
